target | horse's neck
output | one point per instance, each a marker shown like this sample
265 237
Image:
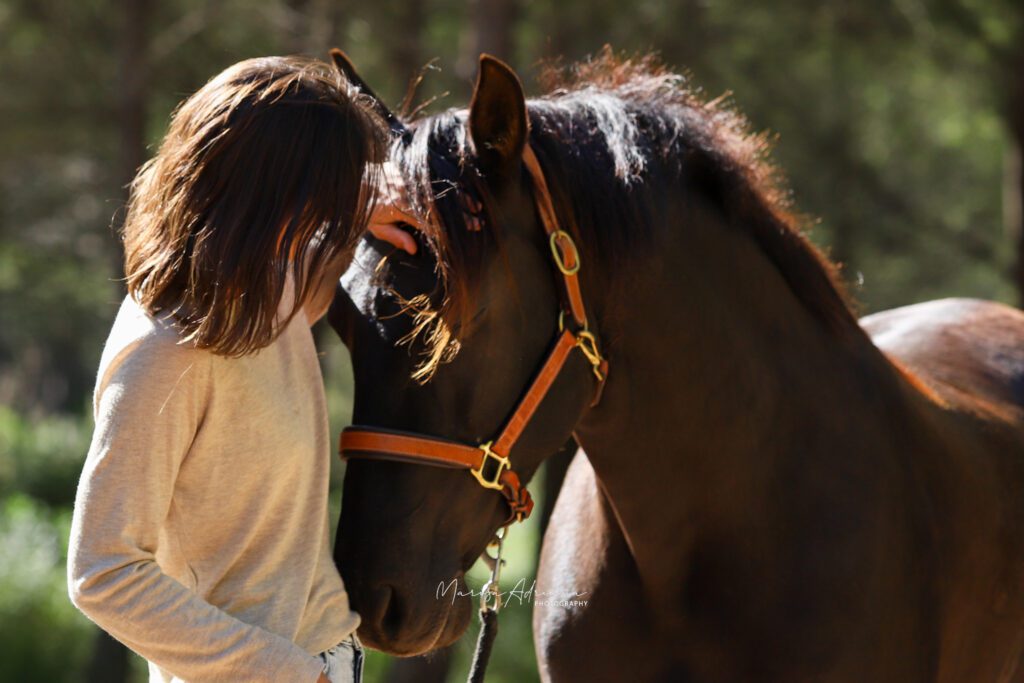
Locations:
722 382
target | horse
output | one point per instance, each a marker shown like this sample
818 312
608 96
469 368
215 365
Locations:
768 489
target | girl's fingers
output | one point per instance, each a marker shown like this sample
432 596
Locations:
391 213
393 235
393 210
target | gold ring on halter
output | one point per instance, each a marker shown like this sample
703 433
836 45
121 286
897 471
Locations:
557 252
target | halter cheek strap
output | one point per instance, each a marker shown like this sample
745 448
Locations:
489 462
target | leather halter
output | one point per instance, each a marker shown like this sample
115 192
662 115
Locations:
489 462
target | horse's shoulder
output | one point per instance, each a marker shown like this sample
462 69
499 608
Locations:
960 347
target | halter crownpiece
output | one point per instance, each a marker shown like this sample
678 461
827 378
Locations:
489 462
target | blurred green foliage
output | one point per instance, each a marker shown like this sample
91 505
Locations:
42 458
43 637
899 123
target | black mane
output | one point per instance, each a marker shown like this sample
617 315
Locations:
610 133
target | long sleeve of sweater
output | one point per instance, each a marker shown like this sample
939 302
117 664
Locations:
149 404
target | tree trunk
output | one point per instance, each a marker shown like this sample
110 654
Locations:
1013 189
490 29
294 26
407 51
311 27
324 27
109 659
844 222
131 95
494 25
1013 198
132 88
560 32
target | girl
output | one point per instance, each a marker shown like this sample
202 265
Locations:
200 529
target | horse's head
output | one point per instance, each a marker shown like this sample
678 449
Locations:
444 344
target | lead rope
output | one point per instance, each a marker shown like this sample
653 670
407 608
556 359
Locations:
488 613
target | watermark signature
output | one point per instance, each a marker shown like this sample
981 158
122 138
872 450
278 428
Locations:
519 592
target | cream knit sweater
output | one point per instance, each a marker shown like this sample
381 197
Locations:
200 529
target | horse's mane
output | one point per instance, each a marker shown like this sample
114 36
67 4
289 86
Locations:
612 133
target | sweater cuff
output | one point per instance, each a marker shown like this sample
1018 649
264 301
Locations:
298 667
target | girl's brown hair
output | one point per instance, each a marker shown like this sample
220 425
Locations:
269 167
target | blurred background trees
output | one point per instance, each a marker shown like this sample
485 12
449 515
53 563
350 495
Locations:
900 125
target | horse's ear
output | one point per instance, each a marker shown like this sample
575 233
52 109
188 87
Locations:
344 65
497 117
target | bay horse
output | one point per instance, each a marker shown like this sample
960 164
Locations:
770 491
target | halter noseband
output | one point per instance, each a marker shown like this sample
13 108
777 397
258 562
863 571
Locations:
489 462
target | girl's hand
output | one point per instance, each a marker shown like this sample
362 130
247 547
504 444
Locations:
389 232
392 210
323 678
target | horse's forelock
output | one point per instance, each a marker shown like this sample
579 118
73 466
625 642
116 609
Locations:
437 170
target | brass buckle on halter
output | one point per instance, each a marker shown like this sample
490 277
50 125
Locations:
503 464
587 343
556 252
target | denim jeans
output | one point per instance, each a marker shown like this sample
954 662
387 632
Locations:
343 663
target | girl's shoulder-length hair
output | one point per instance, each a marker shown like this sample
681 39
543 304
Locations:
269 168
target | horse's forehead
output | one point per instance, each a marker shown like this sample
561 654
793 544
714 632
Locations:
430 130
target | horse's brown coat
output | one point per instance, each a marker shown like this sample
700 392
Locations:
767 494
936 569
